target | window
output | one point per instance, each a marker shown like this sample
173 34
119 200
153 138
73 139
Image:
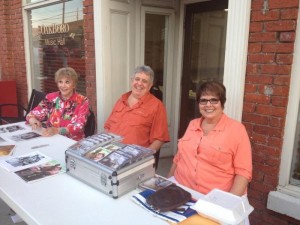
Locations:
56 40
295 167
289 179
286 199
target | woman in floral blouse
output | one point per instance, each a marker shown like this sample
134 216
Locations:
63 112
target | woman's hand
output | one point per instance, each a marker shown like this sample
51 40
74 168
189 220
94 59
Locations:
50 131
34 123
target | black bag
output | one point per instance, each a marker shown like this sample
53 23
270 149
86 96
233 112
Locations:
168 198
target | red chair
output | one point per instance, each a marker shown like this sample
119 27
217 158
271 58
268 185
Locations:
8 95
35 98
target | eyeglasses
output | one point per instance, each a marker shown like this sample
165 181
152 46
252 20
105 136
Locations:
213 101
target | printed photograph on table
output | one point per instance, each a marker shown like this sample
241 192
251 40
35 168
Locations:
42 171
16 163
10 129
24 136
6 150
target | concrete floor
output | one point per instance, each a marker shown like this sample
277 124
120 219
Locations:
5 215
163 168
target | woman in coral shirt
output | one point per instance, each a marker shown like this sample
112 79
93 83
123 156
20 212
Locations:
215 151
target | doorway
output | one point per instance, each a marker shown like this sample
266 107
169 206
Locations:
204 53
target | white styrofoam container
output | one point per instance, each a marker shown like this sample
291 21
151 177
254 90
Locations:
224 207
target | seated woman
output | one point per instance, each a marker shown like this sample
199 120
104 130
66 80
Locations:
63 112
215 151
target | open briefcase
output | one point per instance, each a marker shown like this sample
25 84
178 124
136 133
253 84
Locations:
104 163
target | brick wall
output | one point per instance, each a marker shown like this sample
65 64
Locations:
270 55
12 56
90 53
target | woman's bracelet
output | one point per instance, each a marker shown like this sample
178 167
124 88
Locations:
63 131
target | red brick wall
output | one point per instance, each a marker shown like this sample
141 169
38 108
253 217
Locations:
12 56
270 55
90 52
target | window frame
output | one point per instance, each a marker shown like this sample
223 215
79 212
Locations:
286 199
28 48
290 124
41 3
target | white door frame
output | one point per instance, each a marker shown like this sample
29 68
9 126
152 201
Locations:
168 67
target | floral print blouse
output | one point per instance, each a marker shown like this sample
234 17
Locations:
56 112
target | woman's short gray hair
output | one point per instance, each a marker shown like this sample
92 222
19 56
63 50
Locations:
144 69
66 72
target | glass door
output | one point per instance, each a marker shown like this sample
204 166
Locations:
204 53
157 50
155 45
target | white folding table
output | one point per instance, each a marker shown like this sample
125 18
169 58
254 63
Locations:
64 200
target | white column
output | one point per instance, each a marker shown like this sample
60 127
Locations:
236 55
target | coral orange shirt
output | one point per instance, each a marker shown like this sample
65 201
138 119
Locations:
140 124
212 161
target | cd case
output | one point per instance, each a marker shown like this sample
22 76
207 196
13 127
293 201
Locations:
155 183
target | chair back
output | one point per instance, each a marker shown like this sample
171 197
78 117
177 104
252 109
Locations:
90 125
35 98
